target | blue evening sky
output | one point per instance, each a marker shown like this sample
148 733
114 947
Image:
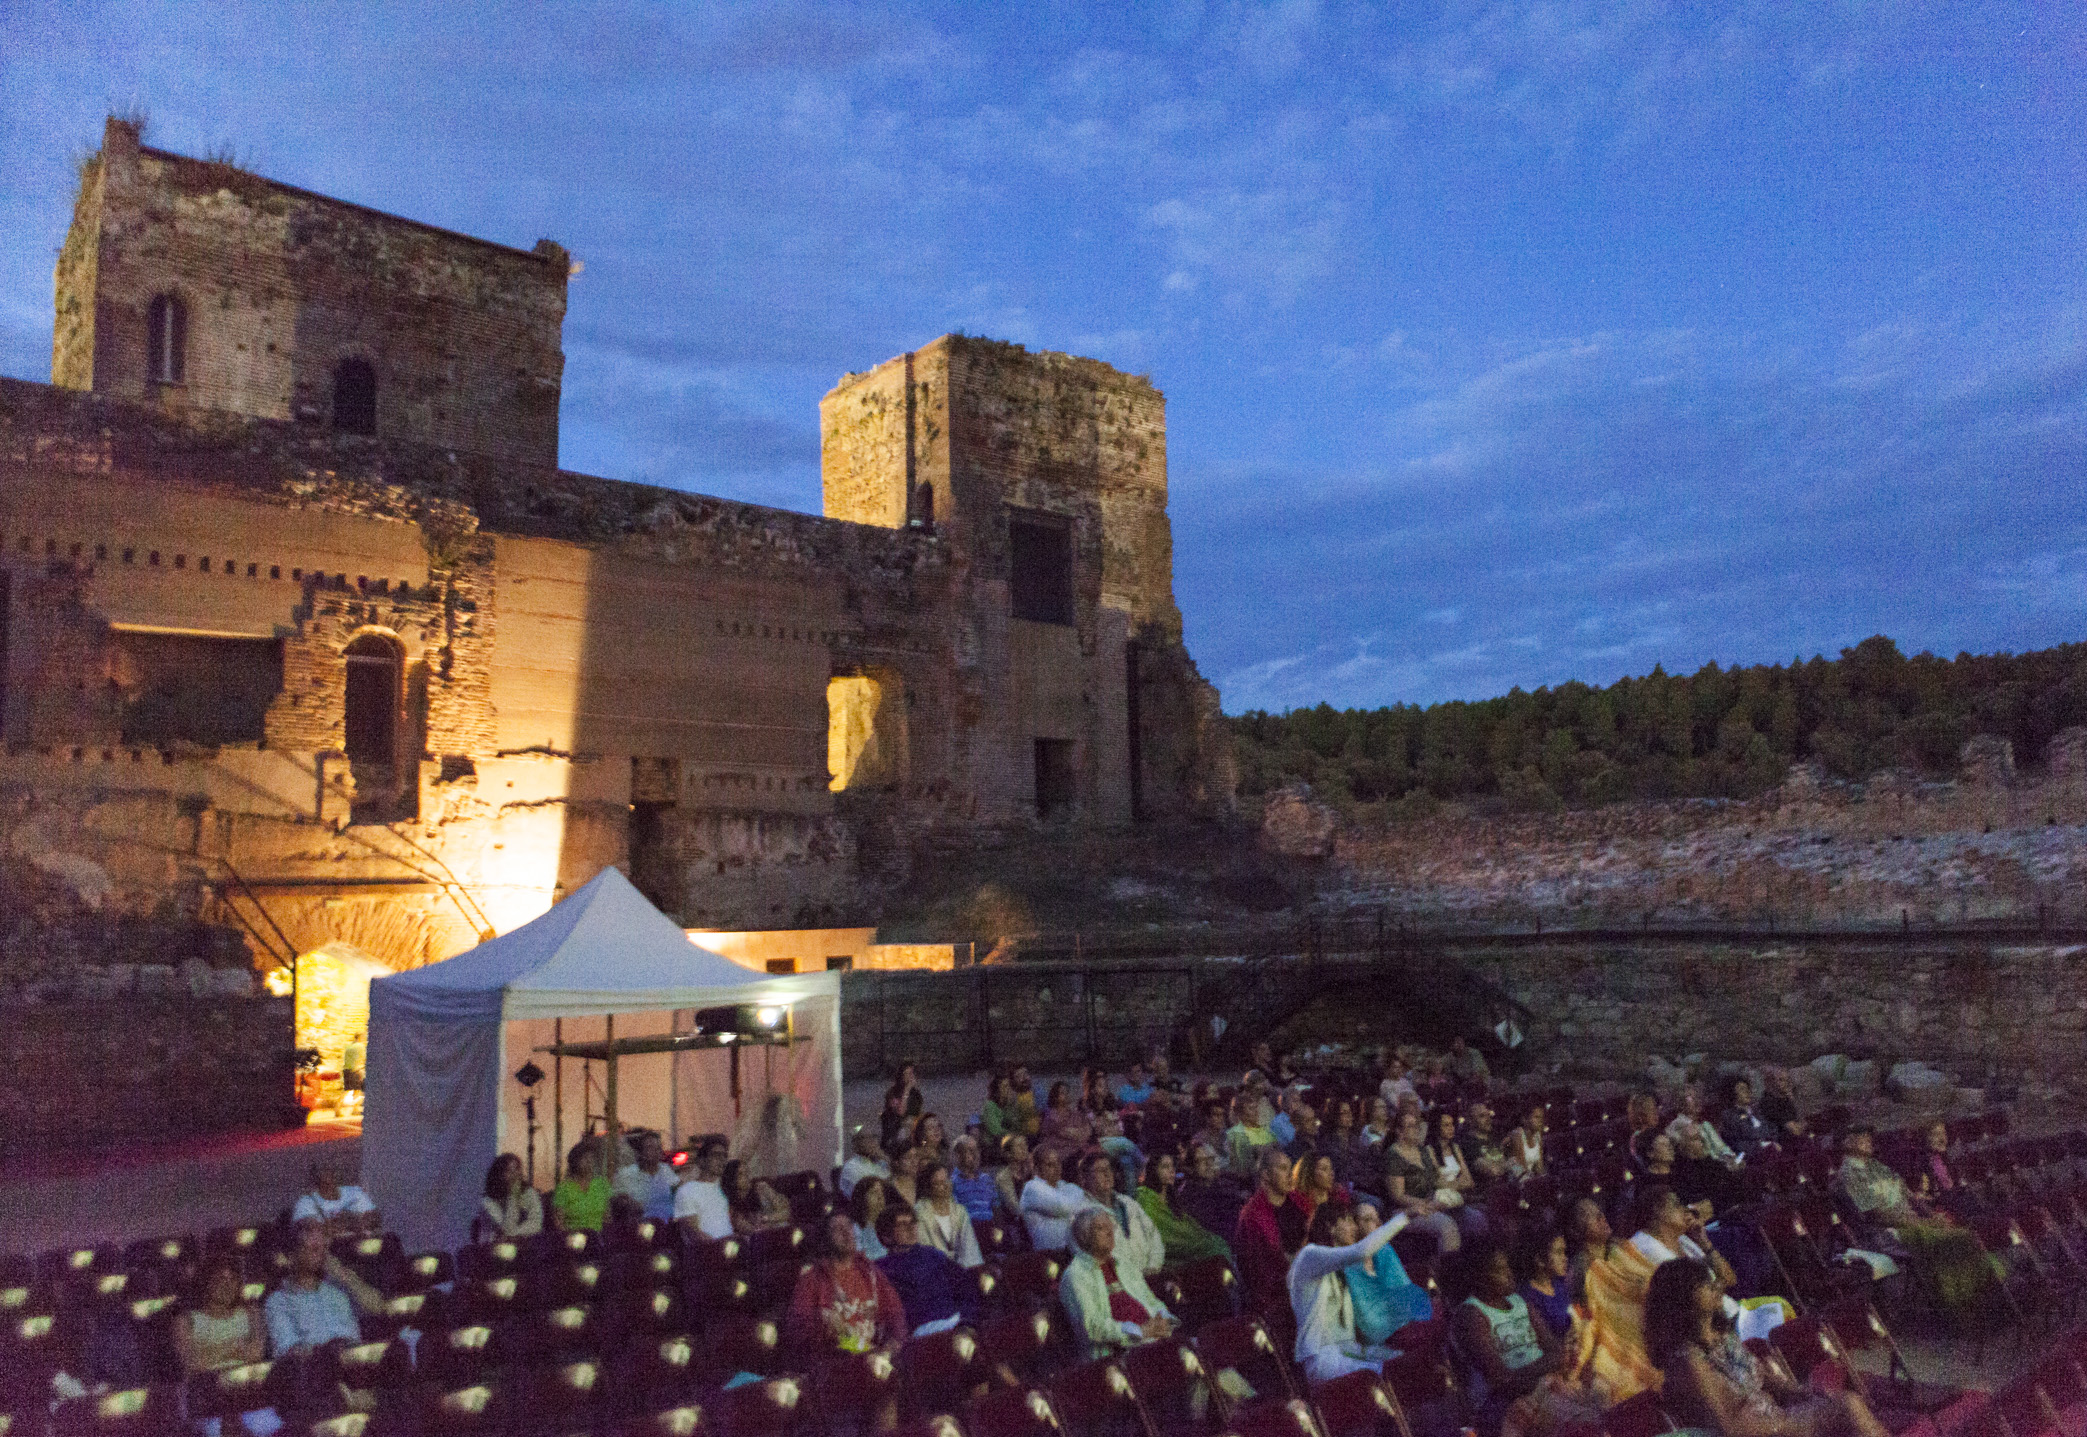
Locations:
1504 343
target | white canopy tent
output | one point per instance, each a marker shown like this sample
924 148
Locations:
445 1040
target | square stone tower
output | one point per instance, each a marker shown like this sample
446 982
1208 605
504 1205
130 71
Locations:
1046 475
197 286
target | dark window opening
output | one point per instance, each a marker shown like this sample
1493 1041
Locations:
1040 570
1055 787
355 397
185 688
840 963
654 835
921 513
1134 717
373 700
782 965
166 340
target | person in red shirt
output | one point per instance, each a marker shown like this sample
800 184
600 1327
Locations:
842 1302
1271 1230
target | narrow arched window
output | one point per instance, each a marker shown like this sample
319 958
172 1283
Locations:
166 339
355 397
372 699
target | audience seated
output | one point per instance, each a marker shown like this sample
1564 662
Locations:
1610 1278
315 1306
1778 1105
1691 1120
843 1302
866 1159
1066 1126
344 1210
1320 1301
944 1224
974 1189
1015 1170
1667 1230
1049 1204
1413 1183
650 1181
1950 1259
1483 1147
1271 1229
997 1118
1209 1194
1466 1063
1744 1130
1182 1238
1136 1087
580 1202
1453 1170
865 1206
222 1329
1543 1259
1028 1116
754 1203
1525 1143
700 1202
931 1139
930 1285
1137 1243
1109 1303
511 1208
1394 1086
1714 1384
1385 1298
1249 1136
1518 1371
1312 1182
906 1162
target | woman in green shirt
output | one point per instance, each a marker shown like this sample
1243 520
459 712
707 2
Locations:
1182 1238
581 1199
998 1116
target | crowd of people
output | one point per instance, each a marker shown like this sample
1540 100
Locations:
1553 1310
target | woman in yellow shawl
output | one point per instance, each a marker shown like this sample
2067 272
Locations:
1610 1279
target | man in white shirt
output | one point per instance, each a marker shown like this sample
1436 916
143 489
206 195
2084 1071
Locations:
868 1161
700 1201
343 1209
650 1181
1049 1204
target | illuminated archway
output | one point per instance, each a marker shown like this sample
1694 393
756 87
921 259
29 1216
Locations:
333 1012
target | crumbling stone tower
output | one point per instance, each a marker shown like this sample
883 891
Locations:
198 286
1045 475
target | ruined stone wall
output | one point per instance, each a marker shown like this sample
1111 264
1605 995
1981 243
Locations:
1996 844
281 285
2016 1014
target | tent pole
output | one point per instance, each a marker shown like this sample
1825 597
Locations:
614 1152
557 1097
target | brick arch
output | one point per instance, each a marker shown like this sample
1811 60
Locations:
405 932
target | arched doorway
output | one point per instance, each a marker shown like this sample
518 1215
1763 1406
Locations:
372 700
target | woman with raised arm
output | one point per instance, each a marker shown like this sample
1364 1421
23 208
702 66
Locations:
1326 1343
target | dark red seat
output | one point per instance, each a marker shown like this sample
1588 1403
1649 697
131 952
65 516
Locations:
850 1393
759 1409
684 1420
1098 1399
940 1373
1209 1291
1285 1417
1359 1405
1030 1277
1243 1345
1012 1412
1177 1392
1029 1344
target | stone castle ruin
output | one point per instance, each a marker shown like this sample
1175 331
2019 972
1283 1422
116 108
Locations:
301 623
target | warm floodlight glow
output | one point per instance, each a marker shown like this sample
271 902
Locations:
769 1017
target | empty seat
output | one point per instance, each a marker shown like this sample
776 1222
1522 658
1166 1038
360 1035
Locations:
852 1393
941 1372
1243 1346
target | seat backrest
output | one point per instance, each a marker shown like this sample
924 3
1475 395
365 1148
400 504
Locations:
1359 1405
1013 1412
760 1409
1028 1343
937 1373
1291 1417
1243 1345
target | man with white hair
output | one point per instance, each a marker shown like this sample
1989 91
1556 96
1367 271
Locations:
1111 1306
868 1161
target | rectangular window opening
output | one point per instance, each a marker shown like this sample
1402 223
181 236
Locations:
1056 789
1039 552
